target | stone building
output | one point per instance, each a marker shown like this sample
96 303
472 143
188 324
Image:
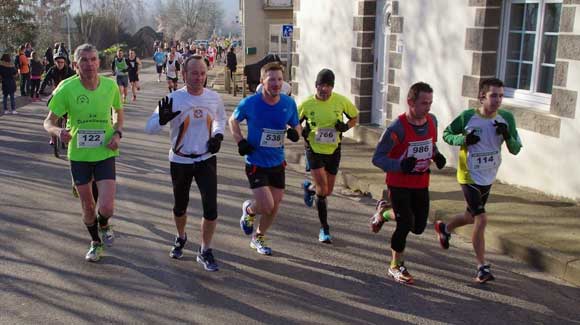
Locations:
378 48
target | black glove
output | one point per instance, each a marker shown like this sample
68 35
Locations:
214 143
439 160
306 131
471 138
408 164
340 126
166 113
501 129
244 147
292 135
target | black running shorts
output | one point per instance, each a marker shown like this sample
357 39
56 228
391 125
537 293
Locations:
330 162
159 68
475 196
272 176
83 172
205 174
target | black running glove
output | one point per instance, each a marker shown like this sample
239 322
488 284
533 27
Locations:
244 147
501 129
340 126
471 138
166 112
306 131
292 135
439 160
214 143
408 164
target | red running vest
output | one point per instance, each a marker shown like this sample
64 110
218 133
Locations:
400 151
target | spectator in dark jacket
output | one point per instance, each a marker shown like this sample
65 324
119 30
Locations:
8 74
231 61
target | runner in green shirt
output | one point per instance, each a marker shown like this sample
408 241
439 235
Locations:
93 141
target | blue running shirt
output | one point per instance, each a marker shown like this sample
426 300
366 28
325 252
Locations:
266 127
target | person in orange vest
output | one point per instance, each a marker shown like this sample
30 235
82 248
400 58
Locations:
24 71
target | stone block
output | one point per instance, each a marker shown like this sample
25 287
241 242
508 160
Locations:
393 42
561 74
295 59
567 19
393 94
295 86
484 3
364 70
572 2
482 39
397 24
363 23
484 64
470 86
395 9
487 17
363 102
568 47
367 8
563 102
361 55
391 77
365 39
535 121
364 116
395 60
361 87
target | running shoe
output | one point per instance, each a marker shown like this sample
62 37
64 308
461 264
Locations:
401 274
207 260
324 236
380 216
259 243
308 193
177 249
247 220
107 235
95 252
444 237
484 274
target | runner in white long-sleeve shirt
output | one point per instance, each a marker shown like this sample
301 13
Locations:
197 120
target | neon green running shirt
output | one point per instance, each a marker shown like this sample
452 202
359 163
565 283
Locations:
89 117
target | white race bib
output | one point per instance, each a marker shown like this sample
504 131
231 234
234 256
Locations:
483 160
90 138
325 135
272 138
422 150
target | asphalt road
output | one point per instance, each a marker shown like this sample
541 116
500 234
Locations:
44 278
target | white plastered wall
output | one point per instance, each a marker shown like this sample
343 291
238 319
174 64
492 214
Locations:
326 40
434 52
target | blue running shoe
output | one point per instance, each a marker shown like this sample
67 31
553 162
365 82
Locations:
207 260
247 220
324 236
259 243
308 194
177 249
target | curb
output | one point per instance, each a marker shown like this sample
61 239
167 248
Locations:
519 246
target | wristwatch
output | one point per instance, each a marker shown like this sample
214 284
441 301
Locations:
119 133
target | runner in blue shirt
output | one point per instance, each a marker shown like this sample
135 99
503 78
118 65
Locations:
268 116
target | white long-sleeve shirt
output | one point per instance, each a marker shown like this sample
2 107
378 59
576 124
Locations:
201 117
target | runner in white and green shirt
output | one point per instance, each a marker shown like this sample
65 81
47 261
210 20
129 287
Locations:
480 132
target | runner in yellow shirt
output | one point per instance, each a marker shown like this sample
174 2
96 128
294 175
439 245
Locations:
324 115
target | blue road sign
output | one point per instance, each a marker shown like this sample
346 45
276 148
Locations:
287 31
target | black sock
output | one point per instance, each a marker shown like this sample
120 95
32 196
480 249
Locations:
94 231
322 213
102 220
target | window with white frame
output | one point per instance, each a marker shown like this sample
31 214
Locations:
278 44
528 57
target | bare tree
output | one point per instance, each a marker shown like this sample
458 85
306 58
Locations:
183 19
